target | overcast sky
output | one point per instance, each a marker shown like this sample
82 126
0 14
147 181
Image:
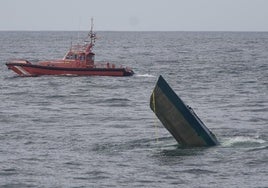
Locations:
135 15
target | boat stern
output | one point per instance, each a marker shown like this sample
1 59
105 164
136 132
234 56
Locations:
128 72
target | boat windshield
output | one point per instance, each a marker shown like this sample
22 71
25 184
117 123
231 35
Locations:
75 56
90 57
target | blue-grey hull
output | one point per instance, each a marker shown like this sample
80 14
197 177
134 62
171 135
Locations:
178 118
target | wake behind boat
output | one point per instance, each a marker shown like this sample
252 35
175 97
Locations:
79 61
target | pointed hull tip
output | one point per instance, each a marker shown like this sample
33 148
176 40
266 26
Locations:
178 118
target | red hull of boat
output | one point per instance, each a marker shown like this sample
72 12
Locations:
78 61
38 70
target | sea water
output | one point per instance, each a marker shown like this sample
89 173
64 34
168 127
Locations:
67 131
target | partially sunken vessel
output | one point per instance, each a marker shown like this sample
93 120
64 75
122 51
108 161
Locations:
178 118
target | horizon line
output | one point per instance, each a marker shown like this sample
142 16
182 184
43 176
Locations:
35 30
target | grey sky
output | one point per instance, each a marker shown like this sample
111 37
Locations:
135 15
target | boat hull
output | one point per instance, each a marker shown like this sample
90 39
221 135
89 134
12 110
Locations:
178 118
28 69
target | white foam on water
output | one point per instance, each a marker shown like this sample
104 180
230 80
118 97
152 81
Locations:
242 140
146 75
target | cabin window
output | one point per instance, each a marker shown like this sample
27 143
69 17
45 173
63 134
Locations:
91 57
69 57
82 57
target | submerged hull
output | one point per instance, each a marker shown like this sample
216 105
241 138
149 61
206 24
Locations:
178 118
28 69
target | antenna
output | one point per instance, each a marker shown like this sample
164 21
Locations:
79 29
92 24
91 34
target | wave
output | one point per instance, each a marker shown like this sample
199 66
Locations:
146 75
117 100
243 141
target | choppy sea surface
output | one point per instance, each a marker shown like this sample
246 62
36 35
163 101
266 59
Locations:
68 131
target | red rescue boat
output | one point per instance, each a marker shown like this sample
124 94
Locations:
79 61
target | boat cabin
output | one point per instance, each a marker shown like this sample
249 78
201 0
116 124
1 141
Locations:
79 53
80 56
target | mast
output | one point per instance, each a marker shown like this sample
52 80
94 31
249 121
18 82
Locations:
92 37
91 34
